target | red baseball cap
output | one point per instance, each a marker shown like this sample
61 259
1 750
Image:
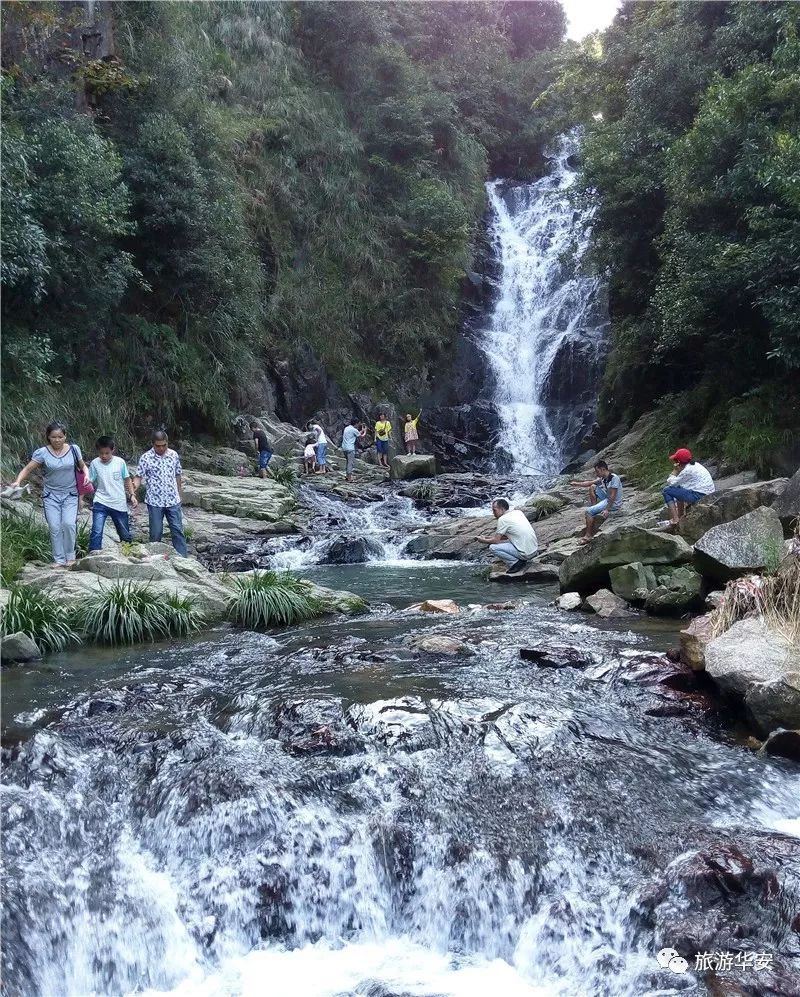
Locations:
683 456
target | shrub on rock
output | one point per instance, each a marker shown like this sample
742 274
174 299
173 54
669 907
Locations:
126 613
267 599
39 617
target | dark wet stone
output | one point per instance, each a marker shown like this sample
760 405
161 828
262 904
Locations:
785 743
315 727
560 656
351 550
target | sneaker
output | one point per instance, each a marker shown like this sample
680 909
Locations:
516 567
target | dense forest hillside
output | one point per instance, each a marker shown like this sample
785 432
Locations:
196 192
692 153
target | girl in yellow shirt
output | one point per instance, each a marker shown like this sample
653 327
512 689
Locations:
383 433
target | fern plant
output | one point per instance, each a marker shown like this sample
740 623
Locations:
37 615
266 599
285 475
24 539
125 613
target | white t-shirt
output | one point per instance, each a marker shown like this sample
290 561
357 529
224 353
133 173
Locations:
696 478
309 451
108 480
519 531
321 437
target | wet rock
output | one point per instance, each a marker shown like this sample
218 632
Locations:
588 568
560 656
501 607
762 667
434 606
569 601
787 504
315 727
407 466
439 644
607 605
728 896
628 580
274 907
534 572
678 589
726 505
18 648
785 743
747 544
694 639
351 550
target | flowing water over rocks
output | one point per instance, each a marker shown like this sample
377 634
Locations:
330 810
545 339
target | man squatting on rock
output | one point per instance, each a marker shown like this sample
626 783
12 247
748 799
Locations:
515 541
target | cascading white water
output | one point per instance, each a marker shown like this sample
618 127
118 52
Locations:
544 305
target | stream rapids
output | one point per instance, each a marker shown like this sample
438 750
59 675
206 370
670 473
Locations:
325 811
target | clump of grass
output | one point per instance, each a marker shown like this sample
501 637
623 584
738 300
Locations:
775 598
125 613
24 539
285 475
267 598
545 505
425 491
37 615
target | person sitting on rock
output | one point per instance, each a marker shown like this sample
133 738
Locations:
410 434
515 541
310 456
605 495
383 435
689 482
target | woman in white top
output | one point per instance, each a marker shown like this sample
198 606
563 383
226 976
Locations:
690 482
320 445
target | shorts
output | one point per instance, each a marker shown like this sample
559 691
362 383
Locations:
382 446
677 493
321 451
264 457
601 506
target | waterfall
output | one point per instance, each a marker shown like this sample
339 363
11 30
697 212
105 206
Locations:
545 336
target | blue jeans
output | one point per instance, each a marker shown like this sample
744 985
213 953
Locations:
321 451
507 552
121 521
676 493
61 513
264 457
156 514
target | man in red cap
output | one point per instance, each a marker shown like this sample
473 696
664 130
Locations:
689 483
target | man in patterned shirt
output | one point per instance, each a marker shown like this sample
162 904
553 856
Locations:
160 470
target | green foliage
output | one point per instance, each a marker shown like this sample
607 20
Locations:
285 474
255 179
759 426
694 165
546 505
23 539
266 599
126 613
38 616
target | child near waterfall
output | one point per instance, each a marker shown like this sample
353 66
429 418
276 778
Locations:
410 434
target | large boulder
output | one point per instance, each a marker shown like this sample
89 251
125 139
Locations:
727 505
534 572
404 467
763 668
588 568
215 460
351 550
787 504
678 589
748 544
18 648
249 498
628 580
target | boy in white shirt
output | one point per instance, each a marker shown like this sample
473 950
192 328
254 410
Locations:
112 483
